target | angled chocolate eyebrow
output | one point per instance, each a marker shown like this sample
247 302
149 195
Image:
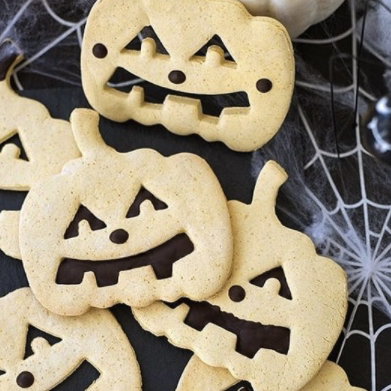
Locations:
278 274
144 195
83 213
34 332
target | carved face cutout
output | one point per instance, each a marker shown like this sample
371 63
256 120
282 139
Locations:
40 350
192 52
123 228
278 317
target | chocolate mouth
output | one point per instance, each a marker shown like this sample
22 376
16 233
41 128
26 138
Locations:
251 336
211 104
161 258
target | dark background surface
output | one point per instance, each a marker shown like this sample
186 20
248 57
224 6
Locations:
162 364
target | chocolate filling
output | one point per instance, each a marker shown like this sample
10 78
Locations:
32 333
161 258
251 336
144 195
83 213
278 274
80 379
211 104
8 54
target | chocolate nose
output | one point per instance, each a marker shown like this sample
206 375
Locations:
177 77
25 379
119 236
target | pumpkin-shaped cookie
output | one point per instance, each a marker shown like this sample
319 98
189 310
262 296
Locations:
198 376
184 63
47 142
278 317
39 349
124 228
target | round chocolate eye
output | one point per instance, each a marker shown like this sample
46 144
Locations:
177 77
119 236
99 50
25 379
264 85
236 293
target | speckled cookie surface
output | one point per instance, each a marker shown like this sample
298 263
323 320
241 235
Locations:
66 343
198 376
124 228
278 317
260 67
47 142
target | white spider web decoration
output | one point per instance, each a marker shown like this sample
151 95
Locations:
341 198
338 194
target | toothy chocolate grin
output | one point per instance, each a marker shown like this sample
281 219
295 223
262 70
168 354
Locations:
211 104
161 258
251 336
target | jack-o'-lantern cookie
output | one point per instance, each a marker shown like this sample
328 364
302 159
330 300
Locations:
123 228
296 15
195 50
48 142
39 350
281 311
198 376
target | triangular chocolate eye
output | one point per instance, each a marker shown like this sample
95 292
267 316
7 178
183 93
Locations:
33 333
215 41
142 196
83 214
11 145
81 379
146 32
278 274
2 372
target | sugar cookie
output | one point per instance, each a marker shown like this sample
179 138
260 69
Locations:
199 376
124 228
260 67
47 142
95 337
283 308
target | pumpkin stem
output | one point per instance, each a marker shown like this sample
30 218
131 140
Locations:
85 127
270 179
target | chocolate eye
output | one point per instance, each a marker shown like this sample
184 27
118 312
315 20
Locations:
264 85
2 372
142 196
99 50
83 214
25 379
278 274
